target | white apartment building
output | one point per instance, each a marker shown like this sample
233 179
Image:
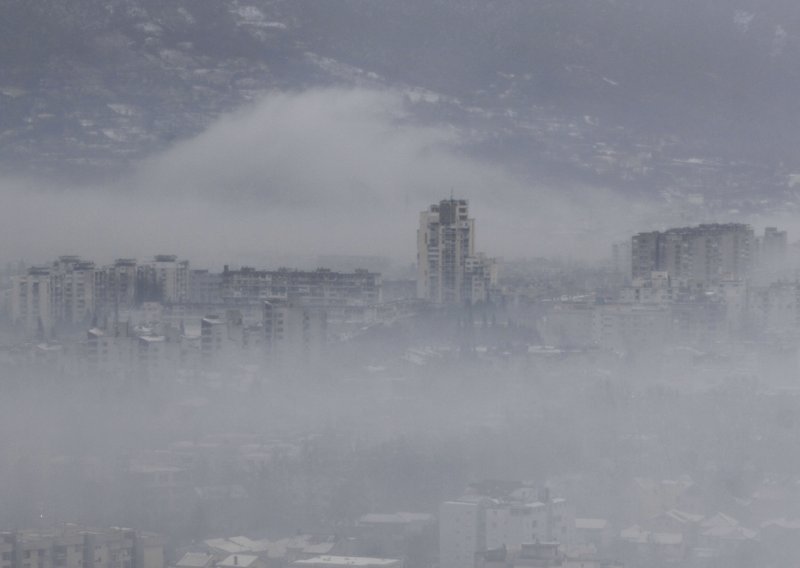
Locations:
462 532
513 524
63 293
75 547
448 270
477 524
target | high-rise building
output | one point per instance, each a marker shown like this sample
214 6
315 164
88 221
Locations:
115 287
448 270
73 285
62 293
702 255
646 254
771 250
773 244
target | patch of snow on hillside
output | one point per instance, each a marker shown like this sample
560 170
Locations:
779 41
742 19
122 109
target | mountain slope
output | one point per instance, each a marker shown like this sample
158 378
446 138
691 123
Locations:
616 90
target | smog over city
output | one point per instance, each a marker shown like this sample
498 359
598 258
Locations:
401 284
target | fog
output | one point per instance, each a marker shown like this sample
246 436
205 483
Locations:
398 285
301 173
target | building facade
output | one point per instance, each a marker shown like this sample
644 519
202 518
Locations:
74 547
32 302
448 270
695 256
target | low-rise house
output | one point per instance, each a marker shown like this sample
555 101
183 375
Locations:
195 560
347 562
241 561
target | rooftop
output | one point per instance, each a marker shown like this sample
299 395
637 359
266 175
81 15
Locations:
591 524
238 560
346 561
194 560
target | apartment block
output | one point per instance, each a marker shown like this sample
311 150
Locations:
448 269
75 547
695 256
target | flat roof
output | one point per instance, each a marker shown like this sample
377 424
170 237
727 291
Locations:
346 561
238 560
591 523
194 560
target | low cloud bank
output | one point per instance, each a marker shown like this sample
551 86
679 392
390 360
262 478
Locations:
317 172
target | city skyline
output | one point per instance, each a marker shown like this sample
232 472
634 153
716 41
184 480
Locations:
404 284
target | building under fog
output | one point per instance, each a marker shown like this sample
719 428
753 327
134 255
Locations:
448 269
695 256
31 302
323 287
164 279
115 287
73 290
74 547
294 334
477 523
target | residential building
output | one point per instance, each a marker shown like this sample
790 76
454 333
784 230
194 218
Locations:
695 256
322 288
164 279
390 534
73 290
656 289
32 302
499 520
462 532
205 287
195 560
347 562
75 547
241 560
448 270
212 337
115 288
294 333
771 256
